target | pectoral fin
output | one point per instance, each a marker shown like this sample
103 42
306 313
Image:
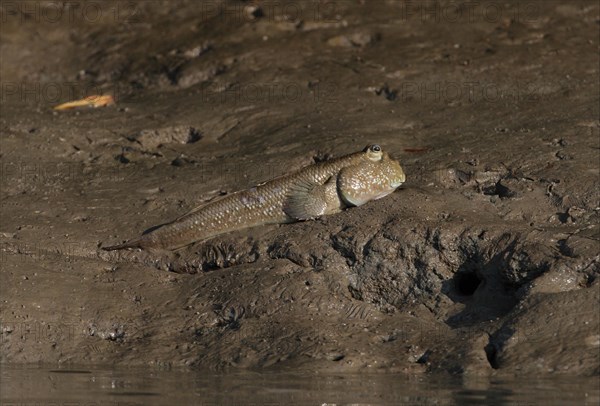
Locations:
308 200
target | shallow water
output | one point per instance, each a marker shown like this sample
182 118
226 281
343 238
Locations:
45 386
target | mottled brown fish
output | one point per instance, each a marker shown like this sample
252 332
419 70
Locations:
316 190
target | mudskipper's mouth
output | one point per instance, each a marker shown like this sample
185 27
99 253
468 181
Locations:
399 182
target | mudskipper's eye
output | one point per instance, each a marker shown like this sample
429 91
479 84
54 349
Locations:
375 148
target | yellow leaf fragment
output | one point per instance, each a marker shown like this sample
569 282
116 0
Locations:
90 101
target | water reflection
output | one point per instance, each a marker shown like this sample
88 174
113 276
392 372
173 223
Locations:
39 386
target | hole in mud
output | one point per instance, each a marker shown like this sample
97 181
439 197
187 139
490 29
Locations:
491 355
590 279
466 283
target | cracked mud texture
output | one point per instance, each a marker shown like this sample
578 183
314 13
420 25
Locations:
485 262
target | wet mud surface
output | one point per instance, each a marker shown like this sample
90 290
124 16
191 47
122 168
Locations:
485 262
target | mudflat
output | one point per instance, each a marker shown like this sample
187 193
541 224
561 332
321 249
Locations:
485 262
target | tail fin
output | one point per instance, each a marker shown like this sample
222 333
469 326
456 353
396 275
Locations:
135 243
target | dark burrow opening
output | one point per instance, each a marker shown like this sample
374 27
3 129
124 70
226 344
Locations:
491 353
466 283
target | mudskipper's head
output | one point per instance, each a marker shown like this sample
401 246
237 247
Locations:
375 176
392 173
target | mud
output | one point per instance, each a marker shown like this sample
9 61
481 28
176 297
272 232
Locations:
485 263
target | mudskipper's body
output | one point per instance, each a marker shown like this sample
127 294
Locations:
324 188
